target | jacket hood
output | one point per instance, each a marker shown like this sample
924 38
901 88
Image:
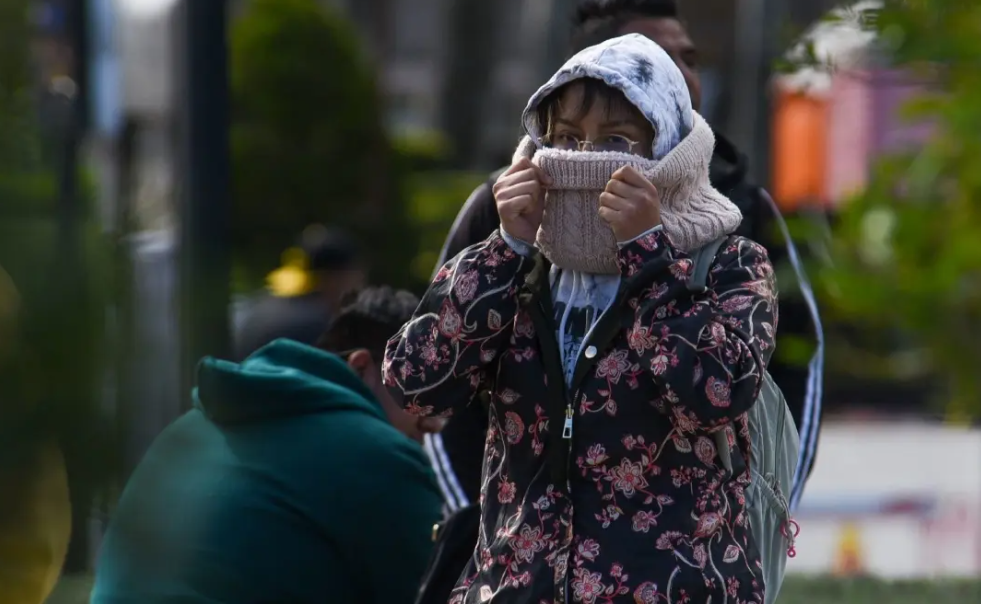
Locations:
729 165
283 378
643 72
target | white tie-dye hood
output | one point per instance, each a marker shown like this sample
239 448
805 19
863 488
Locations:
643 72
650 80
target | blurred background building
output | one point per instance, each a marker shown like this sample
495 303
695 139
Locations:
509 47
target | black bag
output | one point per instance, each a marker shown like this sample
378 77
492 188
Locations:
456 538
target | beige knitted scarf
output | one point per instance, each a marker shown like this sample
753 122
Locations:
573 236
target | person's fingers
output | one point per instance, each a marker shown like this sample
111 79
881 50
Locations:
609 215
522 164
509 175
613 202
526 175
543 176
516 206
621 189
530 187
631 176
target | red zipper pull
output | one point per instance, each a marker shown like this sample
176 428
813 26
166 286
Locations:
790 530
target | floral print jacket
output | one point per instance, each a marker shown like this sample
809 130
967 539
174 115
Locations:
643 510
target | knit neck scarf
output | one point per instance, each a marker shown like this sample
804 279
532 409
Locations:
573 236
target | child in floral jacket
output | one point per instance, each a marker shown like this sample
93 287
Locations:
608 377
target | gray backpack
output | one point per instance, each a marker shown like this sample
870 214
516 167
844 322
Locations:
773 459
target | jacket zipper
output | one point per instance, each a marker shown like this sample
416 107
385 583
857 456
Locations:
567 426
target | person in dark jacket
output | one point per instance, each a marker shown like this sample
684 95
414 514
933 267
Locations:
303 294
287 482
609 377
457 451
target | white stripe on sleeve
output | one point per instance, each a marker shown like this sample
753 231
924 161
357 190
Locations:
811 412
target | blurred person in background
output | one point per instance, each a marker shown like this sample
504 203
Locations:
457 451
35 509
287 482
373 316
303 294
609 376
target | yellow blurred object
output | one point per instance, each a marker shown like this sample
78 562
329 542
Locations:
35 509
293 278
960 414
850 555
35 526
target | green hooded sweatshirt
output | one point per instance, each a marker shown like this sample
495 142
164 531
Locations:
285 484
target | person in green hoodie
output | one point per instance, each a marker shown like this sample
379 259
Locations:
286 483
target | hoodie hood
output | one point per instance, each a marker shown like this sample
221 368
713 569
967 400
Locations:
729 165
693 213
283 378
643 72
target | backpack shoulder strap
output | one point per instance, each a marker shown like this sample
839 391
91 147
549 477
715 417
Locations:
703 259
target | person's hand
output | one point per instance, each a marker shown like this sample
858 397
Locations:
630 204
519 194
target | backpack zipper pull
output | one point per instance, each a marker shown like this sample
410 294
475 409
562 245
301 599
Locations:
567 426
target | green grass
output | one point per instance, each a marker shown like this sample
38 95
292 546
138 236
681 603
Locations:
825 590
822 590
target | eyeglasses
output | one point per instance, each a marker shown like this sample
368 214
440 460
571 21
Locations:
613 143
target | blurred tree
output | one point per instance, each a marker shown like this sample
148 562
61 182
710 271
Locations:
907 250
19 146
434 201
434 194
308 142
51 367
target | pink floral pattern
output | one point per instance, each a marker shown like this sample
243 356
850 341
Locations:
650 515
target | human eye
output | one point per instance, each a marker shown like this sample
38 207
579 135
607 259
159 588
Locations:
614 142
563 140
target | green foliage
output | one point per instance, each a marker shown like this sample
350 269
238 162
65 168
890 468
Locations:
435 198
60 332
307 138
20 148
14 48
52 375
907 252
422 150
309 146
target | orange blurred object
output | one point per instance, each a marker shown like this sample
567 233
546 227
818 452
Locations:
800 148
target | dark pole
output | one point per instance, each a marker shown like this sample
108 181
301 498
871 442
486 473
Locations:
74 125
774 18
471 61
69 251
203 167
558 36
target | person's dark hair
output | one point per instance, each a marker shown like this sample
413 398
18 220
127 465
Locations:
368 318
593 91
329 249
596 21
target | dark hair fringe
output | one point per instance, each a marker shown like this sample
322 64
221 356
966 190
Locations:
596 21
368 318
593 91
